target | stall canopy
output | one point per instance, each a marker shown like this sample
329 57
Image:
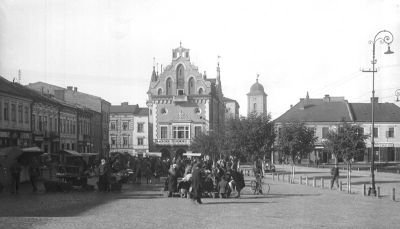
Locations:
190 154
153 154
76 154
10 154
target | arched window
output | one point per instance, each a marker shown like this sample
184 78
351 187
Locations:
200 91
159 91
180 77
168 87
192 88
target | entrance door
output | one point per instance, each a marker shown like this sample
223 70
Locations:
390 153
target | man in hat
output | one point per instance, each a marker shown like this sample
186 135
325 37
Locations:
197 183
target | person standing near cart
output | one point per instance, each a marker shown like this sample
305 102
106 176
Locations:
15 171
103 176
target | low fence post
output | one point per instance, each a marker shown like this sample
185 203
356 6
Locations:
306 181
278 176
365 189
300 180
283 177
322 183
314 182
378 193
340 186
394 194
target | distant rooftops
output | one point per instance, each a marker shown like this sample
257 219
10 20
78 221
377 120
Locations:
125 108
336 109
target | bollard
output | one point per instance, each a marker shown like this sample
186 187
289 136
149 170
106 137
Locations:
278 176
394 194
300 180
378 192
283 177
314 182
365 190
306 181
322 183
273 176
340 186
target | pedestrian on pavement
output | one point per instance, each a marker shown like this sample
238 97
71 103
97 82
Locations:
197 183
103 183
172 180
34 173
223 188
335 176
15 171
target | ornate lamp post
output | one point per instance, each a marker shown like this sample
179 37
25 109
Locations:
386 37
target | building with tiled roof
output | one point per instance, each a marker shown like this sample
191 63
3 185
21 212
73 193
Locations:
327 113
183 103
129 129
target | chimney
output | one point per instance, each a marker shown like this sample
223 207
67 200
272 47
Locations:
376 99
75 89
291 105
327 98
69 88
124 104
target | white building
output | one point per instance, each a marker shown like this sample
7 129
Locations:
129 129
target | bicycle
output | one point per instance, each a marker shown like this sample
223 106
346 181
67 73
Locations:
259 186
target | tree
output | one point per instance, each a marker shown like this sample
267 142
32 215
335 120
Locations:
296 140
249 137
347 142
207 143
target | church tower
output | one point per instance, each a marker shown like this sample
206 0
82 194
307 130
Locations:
257 99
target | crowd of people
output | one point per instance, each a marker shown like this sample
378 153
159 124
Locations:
204 178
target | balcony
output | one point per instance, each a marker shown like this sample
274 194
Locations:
172 141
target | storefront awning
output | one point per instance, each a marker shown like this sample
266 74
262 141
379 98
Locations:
76 154
190 154
153 154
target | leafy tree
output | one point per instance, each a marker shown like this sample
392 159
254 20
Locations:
249 137
296 140
347 142
207 143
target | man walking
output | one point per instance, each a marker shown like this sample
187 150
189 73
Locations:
197 184
15 171
335 176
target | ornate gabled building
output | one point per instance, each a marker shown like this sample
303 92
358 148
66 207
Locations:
183 103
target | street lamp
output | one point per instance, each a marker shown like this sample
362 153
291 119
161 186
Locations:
383 36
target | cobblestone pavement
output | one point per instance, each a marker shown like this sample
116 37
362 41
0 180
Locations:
287 206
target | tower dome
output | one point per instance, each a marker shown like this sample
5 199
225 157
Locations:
257 89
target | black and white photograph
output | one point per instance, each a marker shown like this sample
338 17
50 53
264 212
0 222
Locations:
215 114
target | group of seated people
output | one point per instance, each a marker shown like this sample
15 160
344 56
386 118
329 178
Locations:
220 178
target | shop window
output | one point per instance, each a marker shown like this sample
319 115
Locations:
140 127
390 133
164 132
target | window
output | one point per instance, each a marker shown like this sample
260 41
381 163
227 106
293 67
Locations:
20 117
140 141
191 86
180 132
390 133
113 141
125 140
140 127
73 146
26 115
113 126
125 125
67 126
45 123
13 112
375 132
159 91
200 91
56 124
40 123
325 131
255 106
180 92
197 131
33 122
168 87
73 127
164 132
6 112
50 124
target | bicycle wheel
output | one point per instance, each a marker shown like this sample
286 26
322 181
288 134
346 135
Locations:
265 188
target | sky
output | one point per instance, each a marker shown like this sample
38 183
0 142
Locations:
106 47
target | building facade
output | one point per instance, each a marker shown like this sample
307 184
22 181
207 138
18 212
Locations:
231 108
257 99
183 103
98 114
328 113
15 116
